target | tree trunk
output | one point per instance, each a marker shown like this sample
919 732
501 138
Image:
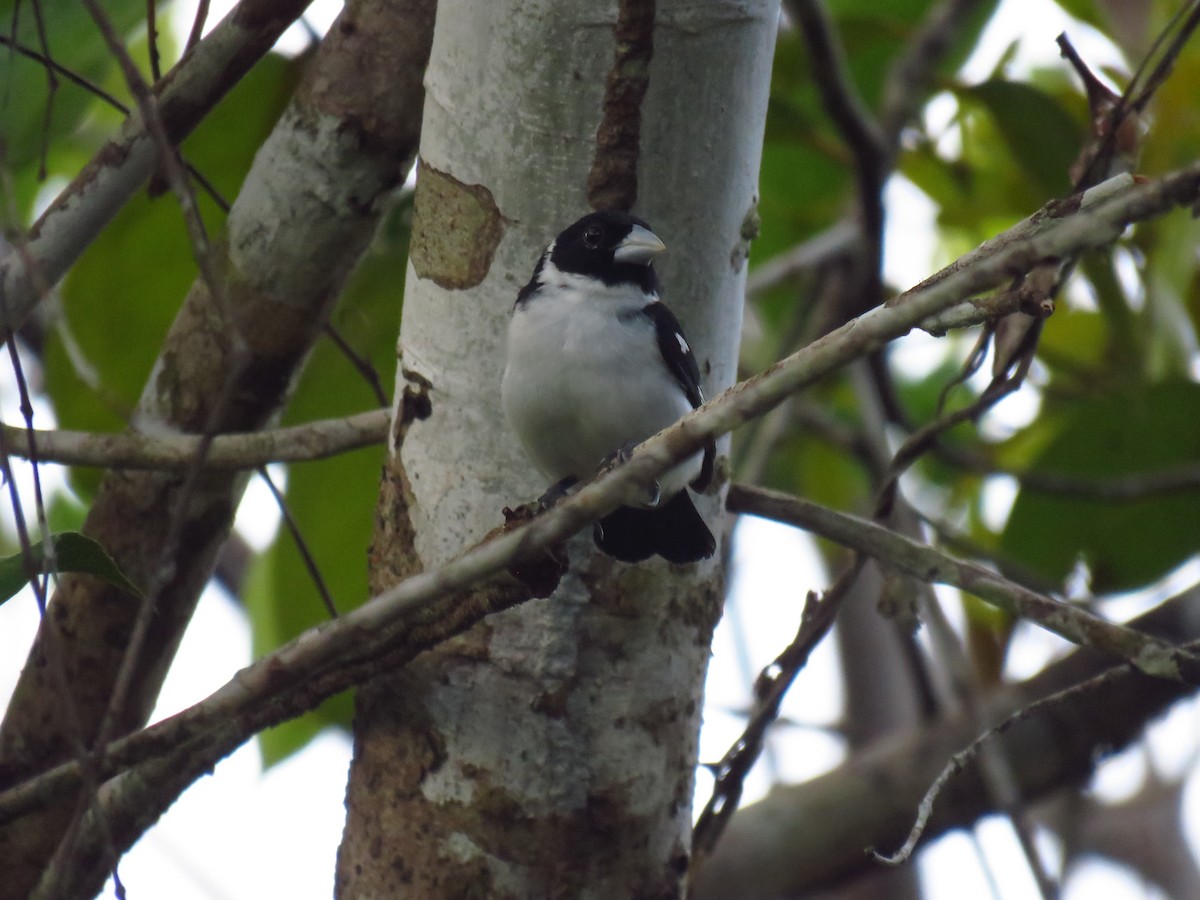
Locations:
550 751
293 235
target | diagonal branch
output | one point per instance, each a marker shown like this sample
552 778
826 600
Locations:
926 563
845 107
772 849
328 658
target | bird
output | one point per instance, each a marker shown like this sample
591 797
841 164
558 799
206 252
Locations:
596 363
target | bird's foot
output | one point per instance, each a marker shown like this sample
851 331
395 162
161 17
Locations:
618 457
622 455
556 492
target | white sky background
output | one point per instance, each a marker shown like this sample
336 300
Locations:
243 833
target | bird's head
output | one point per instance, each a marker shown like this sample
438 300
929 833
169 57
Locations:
612 246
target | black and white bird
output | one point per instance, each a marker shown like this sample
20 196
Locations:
597 364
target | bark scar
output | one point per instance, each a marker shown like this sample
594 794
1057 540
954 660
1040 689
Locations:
612 181
456 230
415 403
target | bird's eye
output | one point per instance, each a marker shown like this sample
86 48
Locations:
592 236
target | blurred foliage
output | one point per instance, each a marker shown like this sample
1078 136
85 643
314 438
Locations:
1113 388
1114 384
99 352
333 501
118 301
1135 430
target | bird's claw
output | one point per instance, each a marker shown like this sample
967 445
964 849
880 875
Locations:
556 492
618 457
622 455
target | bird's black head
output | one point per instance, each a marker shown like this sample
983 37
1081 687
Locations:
613 246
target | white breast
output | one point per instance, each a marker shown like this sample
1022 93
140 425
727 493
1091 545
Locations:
582 380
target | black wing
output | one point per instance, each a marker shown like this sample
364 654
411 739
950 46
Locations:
681 362
676 351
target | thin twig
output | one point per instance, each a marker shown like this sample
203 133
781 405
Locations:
963 758
920 441
910 76
310 563
39 500
361 364
862 134
97 91
960 674
152 40
59 69
168 159
771 687
907 86
147 611
197 31
1166 63
831 245
51 89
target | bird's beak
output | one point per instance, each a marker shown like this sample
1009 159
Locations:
640 246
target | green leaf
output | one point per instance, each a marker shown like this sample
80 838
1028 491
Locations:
1076 346
1041 134
73 552
1125 545
1084 11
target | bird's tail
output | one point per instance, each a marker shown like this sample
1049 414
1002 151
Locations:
675 531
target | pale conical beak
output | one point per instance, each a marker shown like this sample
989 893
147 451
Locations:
640 246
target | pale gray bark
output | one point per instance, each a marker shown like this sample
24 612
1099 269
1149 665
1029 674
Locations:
549 752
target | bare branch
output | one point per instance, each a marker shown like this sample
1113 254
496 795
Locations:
965 757
874 141
131 450
59 69
293 528
769 690
845 107
1074 623
198 26
827 247
319 662
772 849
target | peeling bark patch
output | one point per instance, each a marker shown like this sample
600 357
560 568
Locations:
456 230
391 557
415 404
470 880
612 182
751 225
553 703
